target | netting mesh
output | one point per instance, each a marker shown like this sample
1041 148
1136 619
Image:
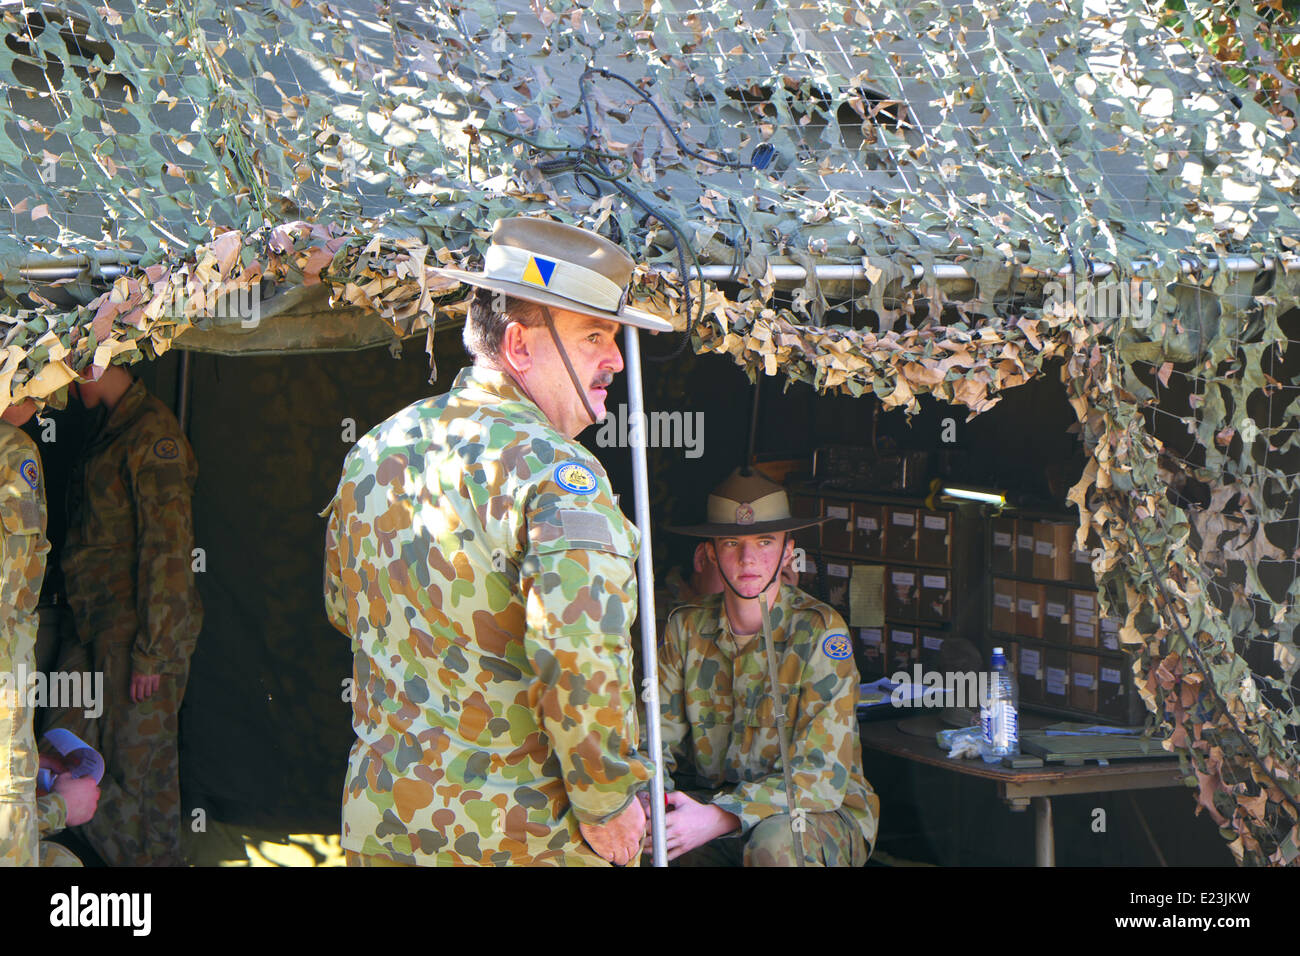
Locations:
229 144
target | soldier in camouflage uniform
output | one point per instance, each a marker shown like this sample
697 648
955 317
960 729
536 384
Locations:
478 561
24 817
128 572
719 733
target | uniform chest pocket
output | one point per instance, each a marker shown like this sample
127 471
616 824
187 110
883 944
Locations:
107 515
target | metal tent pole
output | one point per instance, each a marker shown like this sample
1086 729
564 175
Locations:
646 591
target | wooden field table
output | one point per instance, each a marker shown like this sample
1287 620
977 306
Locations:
1019 788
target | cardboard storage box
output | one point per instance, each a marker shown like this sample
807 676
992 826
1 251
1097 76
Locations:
1004 606
838 572
1053 553
1083 681
1113 689
903 650
935 597
869 652
1083 619
900 593
1108 633
1024 548
900 533
806 506
931 648
1056 678
1002 546
837 533
1029 673
869 530
1081 563
1029 610
934 539
1056 614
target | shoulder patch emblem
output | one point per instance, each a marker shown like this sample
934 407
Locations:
574 477
837 647
31 474
166 448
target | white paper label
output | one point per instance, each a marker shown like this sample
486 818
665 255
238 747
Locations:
932 643
902 637
1084 602
837 570
1083 680
1029 662
1082 617
871 635
868 524
1028 606
1056 681
904 518
1001 539
1083 557
903 579
837 511
1109 675
935 581
1045 548
935 523
1003 601
1055 610
1083 629
809 565
1025 542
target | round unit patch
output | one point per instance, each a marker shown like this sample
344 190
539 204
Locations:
31 474
166 448
575 477
837 647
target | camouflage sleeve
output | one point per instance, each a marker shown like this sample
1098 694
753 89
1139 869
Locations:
578 581
167 605
51 814
674 727
821 742
336 605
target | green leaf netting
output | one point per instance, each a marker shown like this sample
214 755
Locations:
234 144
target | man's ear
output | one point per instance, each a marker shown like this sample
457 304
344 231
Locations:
701 555
516 348
788 551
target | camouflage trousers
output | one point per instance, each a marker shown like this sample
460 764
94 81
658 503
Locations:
138 822
19 835
829 839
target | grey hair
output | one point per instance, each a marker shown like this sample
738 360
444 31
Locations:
489 314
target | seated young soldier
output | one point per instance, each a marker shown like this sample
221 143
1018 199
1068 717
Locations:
727 799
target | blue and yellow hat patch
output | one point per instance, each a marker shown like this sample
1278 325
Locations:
837 647
572 476
538 271
31 474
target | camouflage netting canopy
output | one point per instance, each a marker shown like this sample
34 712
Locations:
331 154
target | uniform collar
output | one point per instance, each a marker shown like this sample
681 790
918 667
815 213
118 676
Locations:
716 625
498 388
127 410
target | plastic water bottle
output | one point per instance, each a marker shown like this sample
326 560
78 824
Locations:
999 715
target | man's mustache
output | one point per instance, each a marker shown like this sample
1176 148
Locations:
602 380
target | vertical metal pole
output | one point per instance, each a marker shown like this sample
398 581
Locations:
646 593
183 392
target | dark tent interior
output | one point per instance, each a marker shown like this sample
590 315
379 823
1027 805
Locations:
265 727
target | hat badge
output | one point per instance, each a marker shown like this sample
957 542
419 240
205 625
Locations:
744 513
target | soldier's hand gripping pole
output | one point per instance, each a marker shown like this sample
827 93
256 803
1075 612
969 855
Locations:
646 597
782 730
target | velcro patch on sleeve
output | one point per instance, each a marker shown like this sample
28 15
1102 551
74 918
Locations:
586 528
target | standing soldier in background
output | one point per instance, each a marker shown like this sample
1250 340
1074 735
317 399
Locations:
477 559
23 549
127 570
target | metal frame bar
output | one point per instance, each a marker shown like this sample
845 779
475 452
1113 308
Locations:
646 594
